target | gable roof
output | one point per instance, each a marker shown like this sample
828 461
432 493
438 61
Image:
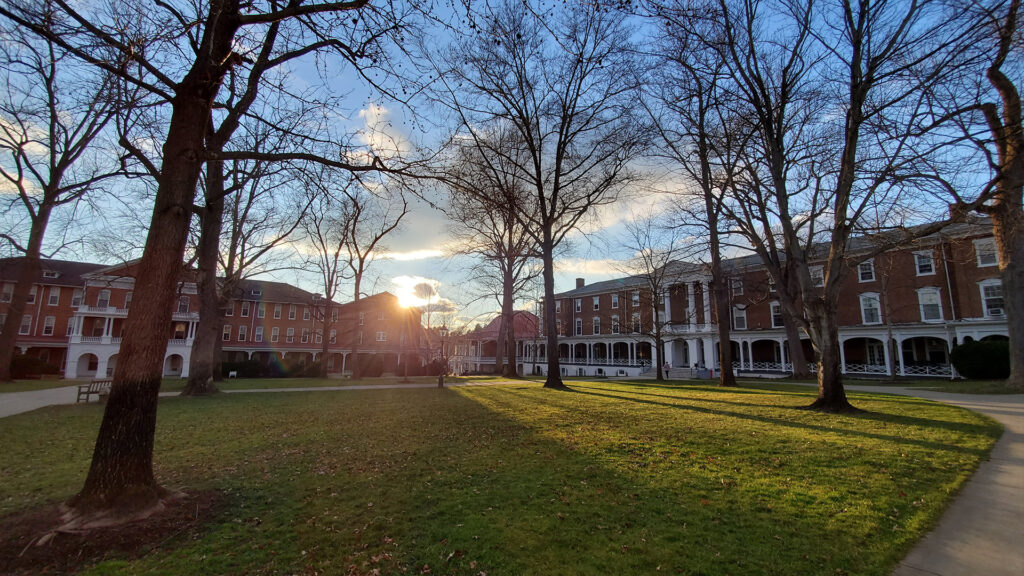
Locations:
69 273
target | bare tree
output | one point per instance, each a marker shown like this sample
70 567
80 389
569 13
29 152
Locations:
561 81
181 53
484 226
51 115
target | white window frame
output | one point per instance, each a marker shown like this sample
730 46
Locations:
817 275
382 336
380 315
305 313
225 333
984 299
243 333
50 274
54 299
579 327
558 306
616 327
636 326
636 298
739 314
32 295
277 312
183 300
929 290
922 256
597 325
362 318
304 336
771 312
986 246
261 310
48 324
103 296
291 312
230 310
6 293
579 304
615 301
76 298
736 285
257 334
558 327
289 335
597 302
870 269
245 308
128 300
869 297
334 336
275 334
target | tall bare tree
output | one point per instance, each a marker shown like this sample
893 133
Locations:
51 114
561 81
181 53
484 226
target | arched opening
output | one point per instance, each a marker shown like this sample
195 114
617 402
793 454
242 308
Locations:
864 356
925 356
87 365
111 365
579 352
173 366
600 352
563 351
620 353
766 356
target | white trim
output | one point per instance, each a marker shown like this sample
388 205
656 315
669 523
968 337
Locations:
929 290
984 299
918 255
870 297
986 246
870 263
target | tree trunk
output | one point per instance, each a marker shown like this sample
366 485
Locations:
720 293
505 364
121 474
30 266
500 348
357 372
825 336
554 376
325 338
1008 226
796 350
203 360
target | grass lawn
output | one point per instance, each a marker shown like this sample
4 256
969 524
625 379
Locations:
178 384
954 386
612 478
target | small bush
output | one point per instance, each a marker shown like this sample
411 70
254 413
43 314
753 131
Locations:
23 366
985 359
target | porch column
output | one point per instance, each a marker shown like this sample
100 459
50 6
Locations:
668 307
668 353
101 368
899 356
706 288
886 353
842 356
691 352
108 326
709 353
691 310
782 354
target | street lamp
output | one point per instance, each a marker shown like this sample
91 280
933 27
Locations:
443 332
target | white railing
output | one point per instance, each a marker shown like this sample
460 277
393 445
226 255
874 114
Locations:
108 310
865 369
91 339
115 340
603 362
928 370
177 342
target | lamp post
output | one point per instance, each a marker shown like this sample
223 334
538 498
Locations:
443 332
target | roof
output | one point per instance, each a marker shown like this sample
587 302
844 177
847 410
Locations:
68 273
268 291
525 324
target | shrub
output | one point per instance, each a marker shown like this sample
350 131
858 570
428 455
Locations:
985 359
23 366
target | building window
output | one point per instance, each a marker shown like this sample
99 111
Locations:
777 321
737 286
558 306
558 327
579 326
277 312
243 331
382 336
50 274
380 315
334 315
305 313
31 296
289 336
362 318
925 263
128 300
359 337
103 299
319 337
48 324
597 302
636 298
615 301
291 312
985 249
579 304
870 309
245 309
275 334
597 325
636 322
54 296
334 336
69 332
261 310
992 298
183 305
7 293
305 335
76 297
739 318
257 334
817 275
230 310
866 271
931 307
615 324
225 335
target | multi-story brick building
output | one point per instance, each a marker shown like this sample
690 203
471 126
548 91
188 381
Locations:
76 313
900 314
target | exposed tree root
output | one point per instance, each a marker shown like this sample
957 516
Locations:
832 406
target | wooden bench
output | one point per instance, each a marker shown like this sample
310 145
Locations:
98 387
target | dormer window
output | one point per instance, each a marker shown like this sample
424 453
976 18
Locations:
50 274
256 292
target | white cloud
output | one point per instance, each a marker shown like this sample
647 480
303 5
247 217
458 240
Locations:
603 266
411 255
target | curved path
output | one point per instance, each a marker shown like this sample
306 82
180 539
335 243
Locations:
981 533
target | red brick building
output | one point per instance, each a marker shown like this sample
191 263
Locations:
77 310
900 313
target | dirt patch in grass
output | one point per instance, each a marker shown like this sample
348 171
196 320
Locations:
68 553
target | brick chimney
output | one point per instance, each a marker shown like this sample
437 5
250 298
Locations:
580 283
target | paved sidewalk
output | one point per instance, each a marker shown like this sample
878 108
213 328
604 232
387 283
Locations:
13 403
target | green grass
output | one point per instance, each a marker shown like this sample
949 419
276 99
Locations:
612 478
178 384
939 385
30 385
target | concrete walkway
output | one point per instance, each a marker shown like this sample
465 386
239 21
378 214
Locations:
981 533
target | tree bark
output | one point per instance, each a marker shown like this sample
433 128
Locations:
203 360
505 364
796 350
30 267
1008 227
825 337
121 473
554 376
326 338
720 292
